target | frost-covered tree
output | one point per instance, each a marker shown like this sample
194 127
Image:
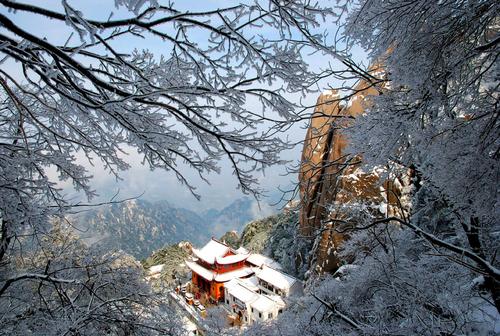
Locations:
216 89
435 271
399 286
58 286
217 323
439 115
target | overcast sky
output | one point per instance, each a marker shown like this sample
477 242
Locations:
161 185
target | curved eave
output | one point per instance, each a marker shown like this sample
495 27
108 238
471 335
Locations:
232 259
201 271
240 273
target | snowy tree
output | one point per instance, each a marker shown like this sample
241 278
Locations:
440 115
217 323
217 90
59 286
435 271
399 287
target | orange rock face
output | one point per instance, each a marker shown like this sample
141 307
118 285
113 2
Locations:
330 178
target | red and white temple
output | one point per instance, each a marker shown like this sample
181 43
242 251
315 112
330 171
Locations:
215 264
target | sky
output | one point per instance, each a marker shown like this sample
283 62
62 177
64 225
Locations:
139 180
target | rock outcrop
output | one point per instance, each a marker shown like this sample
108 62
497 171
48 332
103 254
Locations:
332 182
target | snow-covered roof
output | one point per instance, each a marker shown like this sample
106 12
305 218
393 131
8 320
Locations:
251 283
276 278
235 288
211 250
230 284
263 304
231 259
156 269
259 260
239 273
277 299
242 250
200 270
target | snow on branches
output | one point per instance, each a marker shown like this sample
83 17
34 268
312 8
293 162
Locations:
213 89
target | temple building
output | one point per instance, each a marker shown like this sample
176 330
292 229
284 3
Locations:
251 286
246 301
215 264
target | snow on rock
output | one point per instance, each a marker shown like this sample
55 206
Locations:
156 269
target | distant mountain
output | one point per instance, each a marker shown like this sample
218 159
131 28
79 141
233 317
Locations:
139 227
233 217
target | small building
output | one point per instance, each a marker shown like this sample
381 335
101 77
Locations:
238 299
275 282
244 299
265 308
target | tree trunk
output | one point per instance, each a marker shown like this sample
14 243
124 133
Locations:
4 240
492 285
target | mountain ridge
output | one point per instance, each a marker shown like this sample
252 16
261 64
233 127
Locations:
140 227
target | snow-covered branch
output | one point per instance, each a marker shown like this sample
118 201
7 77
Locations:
339 314
484 265
34 276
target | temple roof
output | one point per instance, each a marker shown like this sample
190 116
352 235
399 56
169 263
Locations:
242 250
239 273
214 249
232 259
219 277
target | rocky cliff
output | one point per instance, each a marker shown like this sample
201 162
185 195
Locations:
333 182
